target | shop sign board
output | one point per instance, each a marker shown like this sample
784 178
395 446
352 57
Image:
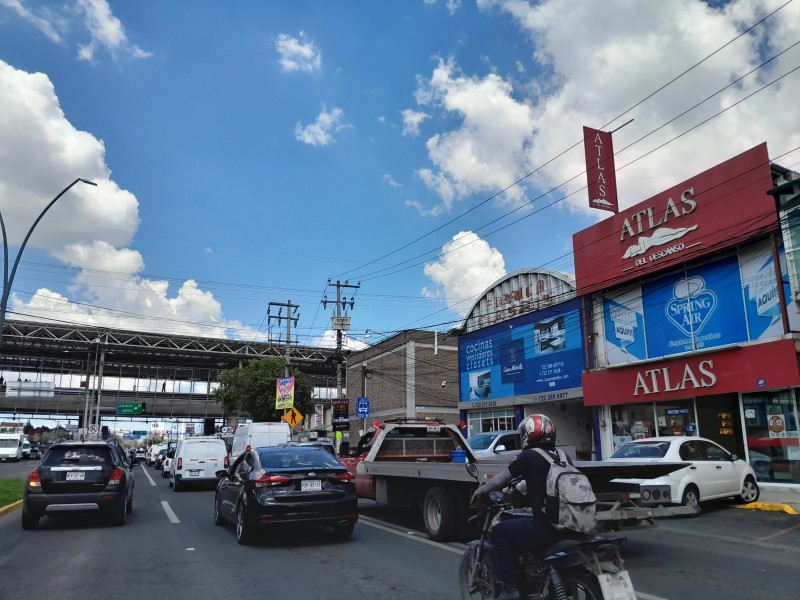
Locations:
721 372
537 353
718 208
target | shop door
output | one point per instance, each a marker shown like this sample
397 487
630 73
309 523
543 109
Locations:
718 420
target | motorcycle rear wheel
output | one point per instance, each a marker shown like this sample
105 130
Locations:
578 585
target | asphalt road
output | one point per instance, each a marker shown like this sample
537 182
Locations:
171 548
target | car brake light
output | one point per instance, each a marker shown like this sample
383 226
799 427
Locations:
34 480
247 449
116 476
179 466
227 461
346 476
270 480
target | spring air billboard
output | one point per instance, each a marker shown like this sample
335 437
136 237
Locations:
533 354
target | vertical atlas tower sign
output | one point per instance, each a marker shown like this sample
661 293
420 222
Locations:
600 174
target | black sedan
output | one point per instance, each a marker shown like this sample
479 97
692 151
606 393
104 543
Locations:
79 477
286 486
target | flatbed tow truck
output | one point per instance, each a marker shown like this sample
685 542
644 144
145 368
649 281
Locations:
421 464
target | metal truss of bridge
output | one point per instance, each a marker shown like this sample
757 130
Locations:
177 373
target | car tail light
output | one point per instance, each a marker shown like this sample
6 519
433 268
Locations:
116 476
34 480
656 494
346 476
179 466
247 449
270 480
227 461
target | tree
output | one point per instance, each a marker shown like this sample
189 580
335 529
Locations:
251 390
28 428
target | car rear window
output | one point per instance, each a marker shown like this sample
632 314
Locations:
296 457
77 455
642 450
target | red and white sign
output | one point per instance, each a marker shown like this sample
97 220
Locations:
600 173
718 208
774 364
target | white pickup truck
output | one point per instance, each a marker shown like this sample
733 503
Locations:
411 463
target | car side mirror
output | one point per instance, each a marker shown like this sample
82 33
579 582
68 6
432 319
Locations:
500 448
171 454
222 473
734 457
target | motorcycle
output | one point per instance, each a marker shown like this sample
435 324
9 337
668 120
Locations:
583 567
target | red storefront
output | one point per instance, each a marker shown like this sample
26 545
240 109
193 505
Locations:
690 320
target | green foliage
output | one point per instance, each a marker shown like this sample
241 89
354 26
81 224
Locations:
28 429
251 390
10 491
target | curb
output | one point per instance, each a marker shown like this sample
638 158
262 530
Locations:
10 507
769 506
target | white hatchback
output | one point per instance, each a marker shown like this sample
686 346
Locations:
714 472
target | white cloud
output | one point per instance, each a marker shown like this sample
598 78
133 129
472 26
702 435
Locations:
38 20
389 180
320 132
628 50
106 32
88 228
298 54
412 120
453 6
466 266
328 340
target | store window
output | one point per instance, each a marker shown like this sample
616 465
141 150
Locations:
496 420
676 418
632 422
773 443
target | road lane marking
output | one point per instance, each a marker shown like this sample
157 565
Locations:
777 533
173 518
153 483
412 535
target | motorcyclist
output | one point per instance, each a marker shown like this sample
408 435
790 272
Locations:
512 537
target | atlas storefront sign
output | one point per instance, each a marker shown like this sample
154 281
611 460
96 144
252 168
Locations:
718 208
771 365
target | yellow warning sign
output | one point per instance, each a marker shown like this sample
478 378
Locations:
293 417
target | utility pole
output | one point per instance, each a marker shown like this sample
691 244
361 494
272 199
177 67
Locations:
340 323
291 315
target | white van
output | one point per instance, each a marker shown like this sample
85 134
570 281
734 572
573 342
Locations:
11 446
259 435
196 462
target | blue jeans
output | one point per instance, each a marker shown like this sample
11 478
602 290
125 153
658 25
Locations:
515 536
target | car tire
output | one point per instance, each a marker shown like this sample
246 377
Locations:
691 497
176 486
244 532
218 518
29 522
440 514
129 505
118 519
343 532
750 491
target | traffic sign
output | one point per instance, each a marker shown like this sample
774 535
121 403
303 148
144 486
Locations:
293 418
362 408
140 433
93 428
130 408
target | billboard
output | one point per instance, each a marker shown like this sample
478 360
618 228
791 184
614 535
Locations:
601 176
718 208
535 353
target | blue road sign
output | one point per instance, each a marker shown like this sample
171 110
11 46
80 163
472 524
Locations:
362 408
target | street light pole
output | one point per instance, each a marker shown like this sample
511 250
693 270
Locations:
8 279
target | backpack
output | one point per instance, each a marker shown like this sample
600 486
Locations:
570 503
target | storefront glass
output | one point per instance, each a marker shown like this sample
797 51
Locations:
494 420
631 422
773 443
676 418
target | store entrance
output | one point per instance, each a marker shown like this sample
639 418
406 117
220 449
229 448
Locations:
718 420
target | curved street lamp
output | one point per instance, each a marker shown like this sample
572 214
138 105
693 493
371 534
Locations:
7 280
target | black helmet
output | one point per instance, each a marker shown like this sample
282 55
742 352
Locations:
535 430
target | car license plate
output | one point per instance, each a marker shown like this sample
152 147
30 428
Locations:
310 485
194 473
616 586
75 475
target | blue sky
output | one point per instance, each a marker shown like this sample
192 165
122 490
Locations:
247 151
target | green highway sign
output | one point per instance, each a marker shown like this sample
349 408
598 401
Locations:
130 408
139 433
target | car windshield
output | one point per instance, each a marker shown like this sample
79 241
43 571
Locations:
482 441
80 455
284 458
9 443
642 450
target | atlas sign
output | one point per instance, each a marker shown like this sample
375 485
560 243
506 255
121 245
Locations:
673 379
716 209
